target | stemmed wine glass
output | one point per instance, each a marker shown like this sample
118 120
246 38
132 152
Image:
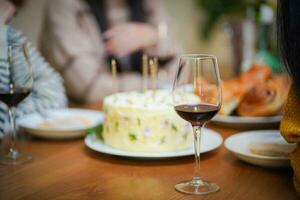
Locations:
15 85
197 98
164 51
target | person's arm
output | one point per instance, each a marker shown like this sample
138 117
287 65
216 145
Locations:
48 90
289 125
7 11
76 55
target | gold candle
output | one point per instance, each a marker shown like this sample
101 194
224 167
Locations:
114 74
145 72
155 60
153 72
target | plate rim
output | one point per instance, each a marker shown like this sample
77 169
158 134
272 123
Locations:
247 120
155 155
22 125
249 154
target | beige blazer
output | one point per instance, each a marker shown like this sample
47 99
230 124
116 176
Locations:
72 43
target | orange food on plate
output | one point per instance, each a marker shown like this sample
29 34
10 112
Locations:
206 91
257 92
233 90
266 98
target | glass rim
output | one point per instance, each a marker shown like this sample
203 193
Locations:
197 56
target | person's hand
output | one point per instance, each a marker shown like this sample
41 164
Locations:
7 11
126 38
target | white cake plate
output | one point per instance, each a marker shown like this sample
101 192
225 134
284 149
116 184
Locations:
210 141
247 122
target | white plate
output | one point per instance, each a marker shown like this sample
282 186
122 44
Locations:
247 122
210 140
31 123
238 145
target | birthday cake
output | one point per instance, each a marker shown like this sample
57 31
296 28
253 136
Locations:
144 122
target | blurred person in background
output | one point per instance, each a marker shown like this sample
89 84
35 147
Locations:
80 37
288 27
48 91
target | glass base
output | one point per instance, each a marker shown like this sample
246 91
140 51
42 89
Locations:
15 158
197 187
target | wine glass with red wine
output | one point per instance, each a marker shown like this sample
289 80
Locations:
197 98
15 85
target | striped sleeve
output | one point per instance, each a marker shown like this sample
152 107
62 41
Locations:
48 91
3 118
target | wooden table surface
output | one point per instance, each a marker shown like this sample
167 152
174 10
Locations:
69 170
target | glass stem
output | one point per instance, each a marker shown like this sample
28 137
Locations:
197 141
13 151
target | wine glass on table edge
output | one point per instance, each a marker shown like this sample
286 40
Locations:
197 97
15 85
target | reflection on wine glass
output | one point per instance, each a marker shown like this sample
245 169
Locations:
197 98
15 85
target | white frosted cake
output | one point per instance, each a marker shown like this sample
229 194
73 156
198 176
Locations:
144 122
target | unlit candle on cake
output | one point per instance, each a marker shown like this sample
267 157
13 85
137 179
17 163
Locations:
153 73
145 72
114 74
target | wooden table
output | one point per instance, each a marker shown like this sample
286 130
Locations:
69 170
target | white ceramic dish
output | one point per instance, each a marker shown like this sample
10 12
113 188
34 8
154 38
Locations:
247 122
238 144
32 123
210 140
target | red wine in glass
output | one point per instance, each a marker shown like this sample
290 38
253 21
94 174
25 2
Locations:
197 114
13 97
163 59
13 91
197 103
